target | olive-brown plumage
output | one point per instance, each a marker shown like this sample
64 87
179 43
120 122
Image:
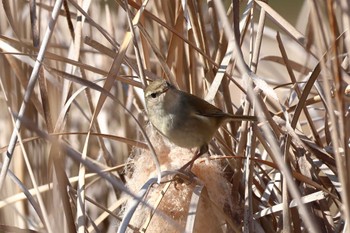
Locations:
185 119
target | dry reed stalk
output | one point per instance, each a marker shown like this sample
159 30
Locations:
85 117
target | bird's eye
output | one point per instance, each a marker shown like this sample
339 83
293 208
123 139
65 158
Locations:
154 95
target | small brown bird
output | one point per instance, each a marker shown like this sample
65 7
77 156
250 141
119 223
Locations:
185 119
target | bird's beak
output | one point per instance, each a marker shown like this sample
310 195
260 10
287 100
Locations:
165 89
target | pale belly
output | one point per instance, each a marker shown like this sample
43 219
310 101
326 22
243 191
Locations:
188 139
188 134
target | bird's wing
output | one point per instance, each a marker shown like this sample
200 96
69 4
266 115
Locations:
202 107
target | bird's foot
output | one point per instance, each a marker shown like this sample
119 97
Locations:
184 176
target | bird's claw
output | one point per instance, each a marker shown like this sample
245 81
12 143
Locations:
184 176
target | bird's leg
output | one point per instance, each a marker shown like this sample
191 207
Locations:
202 150
185 171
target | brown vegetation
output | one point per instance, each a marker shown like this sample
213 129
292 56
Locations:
71 93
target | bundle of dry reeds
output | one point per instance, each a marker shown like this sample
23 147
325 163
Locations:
78 153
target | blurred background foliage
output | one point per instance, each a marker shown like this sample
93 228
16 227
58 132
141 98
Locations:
84 120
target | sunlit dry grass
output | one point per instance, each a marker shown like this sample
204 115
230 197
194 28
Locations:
85 148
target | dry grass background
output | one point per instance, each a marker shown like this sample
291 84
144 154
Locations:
79 88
